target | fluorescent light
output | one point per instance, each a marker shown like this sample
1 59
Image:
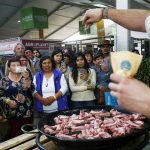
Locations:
99 5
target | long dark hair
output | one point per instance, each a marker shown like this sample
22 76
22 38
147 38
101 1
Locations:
40 55
75 68
55 52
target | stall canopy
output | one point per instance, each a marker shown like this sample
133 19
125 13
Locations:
63 16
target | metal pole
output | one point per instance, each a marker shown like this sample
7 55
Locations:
123 35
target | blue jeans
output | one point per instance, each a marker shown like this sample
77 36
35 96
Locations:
82 103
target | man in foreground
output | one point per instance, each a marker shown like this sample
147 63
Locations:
131 93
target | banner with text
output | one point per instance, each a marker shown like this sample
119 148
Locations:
34 18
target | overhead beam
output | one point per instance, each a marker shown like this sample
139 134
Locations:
111 36
13 13
65 24
140 4
108 3
1 3
49 14
77 4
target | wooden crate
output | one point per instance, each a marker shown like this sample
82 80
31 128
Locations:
26 142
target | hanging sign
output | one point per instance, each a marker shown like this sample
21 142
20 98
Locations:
34 18
82 29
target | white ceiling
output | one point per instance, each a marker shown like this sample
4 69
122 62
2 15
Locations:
63 16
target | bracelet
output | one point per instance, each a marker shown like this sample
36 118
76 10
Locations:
105 13
7 100
55 97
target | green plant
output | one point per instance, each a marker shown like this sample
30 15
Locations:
143 73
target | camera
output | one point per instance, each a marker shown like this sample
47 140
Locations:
63 64
20 69
83 71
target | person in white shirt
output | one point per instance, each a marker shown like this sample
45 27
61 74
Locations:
51 88
82 82
131 93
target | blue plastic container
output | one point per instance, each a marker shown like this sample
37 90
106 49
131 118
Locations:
110 100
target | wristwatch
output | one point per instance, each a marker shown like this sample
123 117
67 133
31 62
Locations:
105 13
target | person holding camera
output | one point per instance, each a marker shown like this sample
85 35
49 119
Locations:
82 82
15 92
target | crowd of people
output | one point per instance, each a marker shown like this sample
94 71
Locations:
47 84
58 82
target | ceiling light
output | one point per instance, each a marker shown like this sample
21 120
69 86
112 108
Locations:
99 5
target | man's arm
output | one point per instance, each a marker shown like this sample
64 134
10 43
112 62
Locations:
132 19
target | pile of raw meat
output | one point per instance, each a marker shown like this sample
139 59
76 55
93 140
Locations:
94 124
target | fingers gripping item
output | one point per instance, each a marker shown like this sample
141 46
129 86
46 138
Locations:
83 71
125 63
20 69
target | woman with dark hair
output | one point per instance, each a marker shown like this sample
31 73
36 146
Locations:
15 92
82 82
36 53
89 57
57 57
51 88
66 66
